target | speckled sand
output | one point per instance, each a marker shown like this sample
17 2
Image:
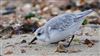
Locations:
14 45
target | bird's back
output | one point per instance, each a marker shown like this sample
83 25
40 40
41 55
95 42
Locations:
66 20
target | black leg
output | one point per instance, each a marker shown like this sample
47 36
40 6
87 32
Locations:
33 40
70 41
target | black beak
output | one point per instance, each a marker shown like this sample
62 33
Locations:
33 40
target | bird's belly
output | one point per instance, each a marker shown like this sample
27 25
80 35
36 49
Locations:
56 36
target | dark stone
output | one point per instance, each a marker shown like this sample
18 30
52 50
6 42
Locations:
23 41
23 51
0 36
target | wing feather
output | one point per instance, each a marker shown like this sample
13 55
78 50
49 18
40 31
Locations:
61 22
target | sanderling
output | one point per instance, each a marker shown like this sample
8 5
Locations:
61 27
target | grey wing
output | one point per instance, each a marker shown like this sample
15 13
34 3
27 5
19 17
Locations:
63 22
59 23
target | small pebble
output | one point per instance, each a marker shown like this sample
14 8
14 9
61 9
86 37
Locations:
23 41
23 51
8 43
90 45
36 49
0 36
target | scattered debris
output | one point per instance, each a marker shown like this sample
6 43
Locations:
23 51
36 49
6 33
8 52
23 41
95 41
61 48
89 43
97 21
0 36
28 26
8 43
30 46
85 22
77 41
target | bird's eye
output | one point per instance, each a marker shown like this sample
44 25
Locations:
39 34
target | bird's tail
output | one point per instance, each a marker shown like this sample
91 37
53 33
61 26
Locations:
84 13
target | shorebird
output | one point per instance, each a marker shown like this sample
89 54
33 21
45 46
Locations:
61 27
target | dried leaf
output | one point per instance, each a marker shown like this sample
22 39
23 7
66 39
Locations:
89 43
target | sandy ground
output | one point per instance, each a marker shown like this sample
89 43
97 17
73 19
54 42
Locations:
14 47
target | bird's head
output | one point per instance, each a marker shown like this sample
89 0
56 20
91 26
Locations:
40 35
